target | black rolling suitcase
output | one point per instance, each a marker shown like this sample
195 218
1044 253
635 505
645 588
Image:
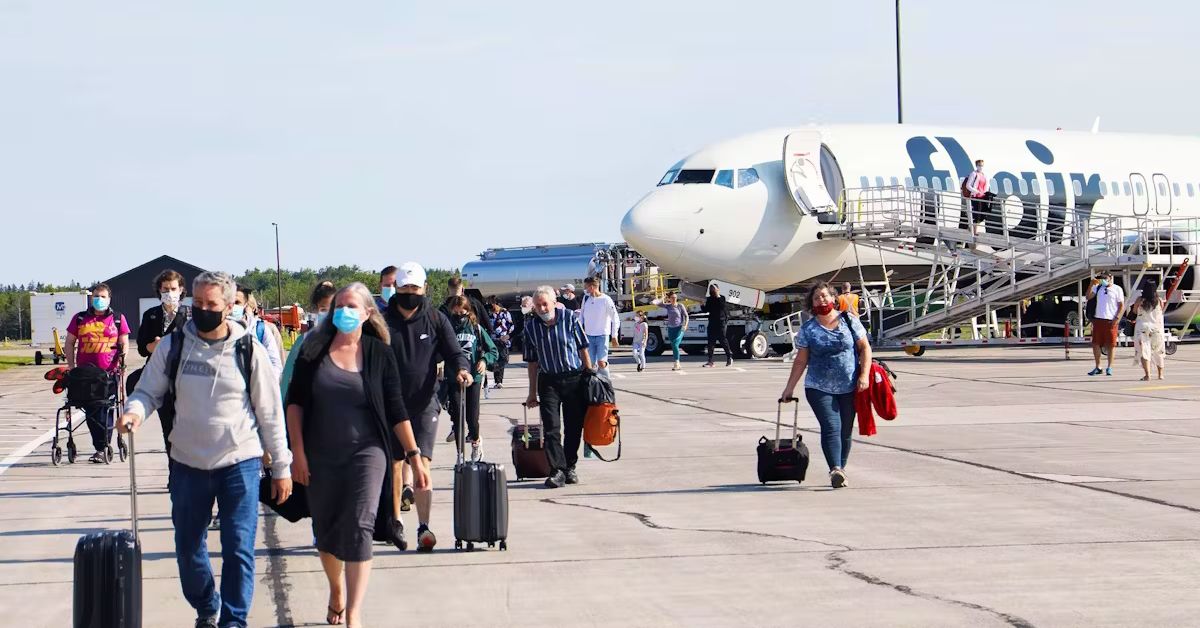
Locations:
783 460
480 496
529 450
108 572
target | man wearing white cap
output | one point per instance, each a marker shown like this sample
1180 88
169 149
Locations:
421 337
568 298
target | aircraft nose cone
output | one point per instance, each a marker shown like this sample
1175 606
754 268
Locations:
654 228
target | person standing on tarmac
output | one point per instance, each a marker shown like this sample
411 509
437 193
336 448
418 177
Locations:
847 301
101 337
833 347
641 333
502 323
677 324
1110 305
257 327
421 338
479 350
321 301
718 320
568 298
157 323
601 323
387 287
556 351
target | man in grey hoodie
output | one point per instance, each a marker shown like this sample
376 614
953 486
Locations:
224 419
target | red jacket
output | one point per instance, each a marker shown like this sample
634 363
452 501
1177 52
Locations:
880 395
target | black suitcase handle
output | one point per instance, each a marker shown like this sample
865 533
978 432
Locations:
133 511
541 435
779 421
460 430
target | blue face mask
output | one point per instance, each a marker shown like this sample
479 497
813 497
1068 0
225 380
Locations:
346 320
321 316
238 312
99 303
387 292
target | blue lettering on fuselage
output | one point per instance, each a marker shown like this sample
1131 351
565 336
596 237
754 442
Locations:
921 150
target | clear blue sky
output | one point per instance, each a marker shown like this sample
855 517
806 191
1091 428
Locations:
378 132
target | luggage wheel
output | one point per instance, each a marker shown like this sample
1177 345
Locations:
504 546
457 544
470 546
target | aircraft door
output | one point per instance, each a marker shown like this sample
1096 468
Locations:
802 169
1162 194
1141 194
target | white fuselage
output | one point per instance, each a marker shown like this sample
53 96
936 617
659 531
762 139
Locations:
756 235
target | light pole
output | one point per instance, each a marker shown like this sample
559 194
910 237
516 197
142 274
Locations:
899 98
279 273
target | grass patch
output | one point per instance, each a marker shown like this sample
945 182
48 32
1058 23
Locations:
9 361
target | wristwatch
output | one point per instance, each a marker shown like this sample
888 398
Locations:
412 452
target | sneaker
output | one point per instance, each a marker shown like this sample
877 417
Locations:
406 498
641 367
215 524
487 393
498 386
1095 371
1108 371
450 437
425 539
676 367
476 451
708 365
837 478
572 476
728 361
398 535
97 458
557 480
206 622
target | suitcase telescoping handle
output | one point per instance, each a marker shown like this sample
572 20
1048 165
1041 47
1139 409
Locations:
132 487
779 420
460 429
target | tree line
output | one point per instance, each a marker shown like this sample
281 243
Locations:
296 284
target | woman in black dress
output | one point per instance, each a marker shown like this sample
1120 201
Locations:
344 399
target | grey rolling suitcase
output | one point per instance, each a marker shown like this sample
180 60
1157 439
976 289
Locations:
480 497
108 572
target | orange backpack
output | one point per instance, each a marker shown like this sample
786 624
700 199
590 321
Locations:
602 426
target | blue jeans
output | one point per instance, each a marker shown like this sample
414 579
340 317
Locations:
598 349
235 489
835 413
675 339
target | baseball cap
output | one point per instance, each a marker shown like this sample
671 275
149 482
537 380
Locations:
570 287
410 274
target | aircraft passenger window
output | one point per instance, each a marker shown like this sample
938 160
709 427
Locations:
1077 187
879 181
992 185
1008 189
908 182
1024 187
1116 189
1103 189
1162 188
1175 188
695 176
1140 190
937 183
1035 187
1126 189
669 177
922 182
1049 187
949 184
746 176
895 182
1191 190
864 182
725 178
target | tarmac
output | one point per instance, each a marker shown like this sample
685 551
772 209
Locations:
1012 490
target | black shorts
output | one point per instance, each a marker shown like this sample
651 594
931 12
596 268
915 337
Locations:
424 427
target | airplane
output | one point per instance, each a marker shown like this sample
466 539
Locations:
735 212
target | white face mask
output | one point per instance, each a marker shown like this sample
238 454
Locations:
979 167
170 299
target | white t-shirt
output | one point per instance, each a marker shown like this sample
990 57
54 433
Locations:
1108 299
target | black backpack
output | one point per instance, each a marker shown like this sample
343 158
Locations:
243 350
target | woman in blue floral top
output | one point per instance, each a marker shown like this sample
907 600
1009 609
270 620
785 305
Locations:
835 351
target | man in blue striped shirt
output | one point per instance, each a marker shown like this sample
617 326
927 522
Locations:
556 351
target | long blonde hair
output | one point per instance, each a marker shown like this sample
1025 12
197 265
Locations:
373 325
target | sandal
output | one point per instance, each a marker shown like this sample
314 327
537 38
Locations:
1146 378
334 617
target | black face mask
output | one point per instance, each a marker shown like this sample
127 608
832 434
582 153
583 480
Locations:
459 319
207 320
408 300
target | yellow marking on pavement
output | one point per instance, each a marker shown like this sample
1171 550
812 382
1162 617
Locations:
1162 387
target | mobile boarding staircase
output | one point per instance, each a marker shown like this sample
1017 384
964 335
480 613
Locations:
1018 252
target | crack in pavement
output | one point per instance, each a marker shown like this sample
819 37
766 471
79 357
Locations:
1131 429
276 575
835 561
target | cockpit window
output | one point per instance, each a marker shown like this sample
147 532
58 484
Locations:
746 176
695 176
669 178
725 178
